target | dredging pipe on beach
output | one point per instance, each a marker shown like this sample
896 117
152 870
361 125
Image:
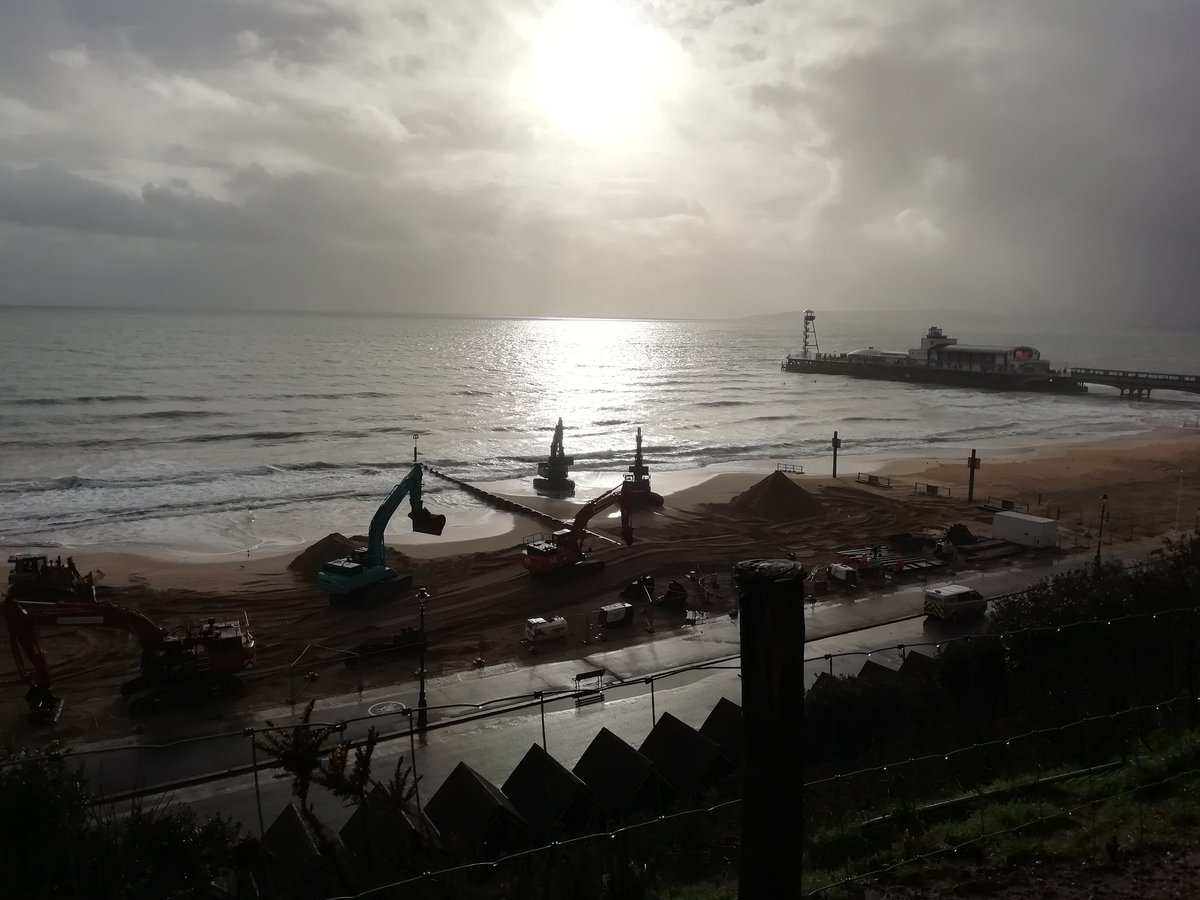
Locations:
511 506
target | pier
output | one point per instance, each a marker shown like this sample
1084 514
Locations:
1138 384
511 506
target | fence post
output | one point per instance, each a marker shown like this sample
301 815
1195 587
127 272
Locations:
772 626
249 732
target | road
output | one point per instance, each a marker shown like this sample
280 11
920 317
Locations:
639 683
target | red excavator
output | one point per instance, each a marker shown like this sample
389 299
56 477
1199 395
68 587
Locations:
563 549
185 664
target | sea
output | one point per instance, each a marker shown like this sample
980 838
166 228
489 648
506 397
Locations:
216 433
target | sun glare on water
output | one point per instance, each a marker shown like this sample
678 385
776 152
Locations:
598 73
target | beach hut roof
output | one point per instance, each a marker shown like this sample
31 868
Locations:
543 790
726 725
684 757
614 772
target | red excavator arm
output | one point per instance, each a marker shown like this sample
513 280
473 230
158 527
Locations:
619 494
564 548
24 617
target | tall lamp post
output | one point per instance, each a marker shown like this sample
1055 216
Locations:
1178 500
422 703
1100 530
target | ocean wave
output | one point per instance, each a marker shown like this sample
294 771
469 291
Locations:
172 414
134 481
104 398
339 395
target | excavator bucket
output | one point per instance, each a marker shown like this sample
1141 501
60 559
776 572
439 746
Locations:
426 522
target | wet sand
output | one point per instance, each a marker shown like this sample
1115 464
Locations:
481 595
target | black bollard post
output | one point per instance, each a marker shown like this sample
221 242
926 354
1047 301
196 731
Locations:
837 443
771 599
972 465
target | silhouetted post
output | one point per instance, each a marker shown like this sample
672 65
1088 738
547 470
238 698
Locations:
249 732
422 703
771 598
837 443
1100 530
972 466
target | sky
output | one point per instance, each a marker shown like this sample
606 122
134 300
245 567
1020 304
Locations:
656 158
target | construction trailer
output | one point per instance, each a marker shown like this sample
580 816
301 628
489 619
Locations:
1024 529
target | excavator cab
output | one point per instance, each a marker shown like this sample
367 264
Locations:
426 522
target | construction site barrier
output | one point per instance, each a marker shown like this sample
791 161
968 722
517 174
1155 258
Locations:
933 490
876 480
786 467
999 503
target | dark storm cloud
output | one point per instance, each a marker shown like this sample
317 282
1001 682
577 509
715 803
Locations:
312 153
1057 153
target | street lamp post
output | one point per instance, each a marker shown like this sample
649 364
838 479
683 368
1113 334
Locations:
1178 500
422 703
1100 530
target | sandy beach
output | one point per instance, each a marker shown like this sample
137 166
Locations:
481 595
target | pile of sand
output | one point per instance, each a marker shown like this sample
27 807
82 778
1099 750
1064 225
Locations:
778 497
333 546
337 546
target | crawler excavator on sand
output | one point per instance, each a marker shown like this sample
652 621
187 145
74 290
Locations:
563 550
354 578
180 666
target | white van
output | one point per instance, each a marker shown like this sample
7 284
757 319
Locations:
951 602
543 629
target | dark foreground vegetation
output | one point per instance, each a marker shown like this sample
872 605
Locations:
1070 728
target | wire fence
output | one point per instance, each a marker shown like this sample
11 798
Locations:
1081 780
847 845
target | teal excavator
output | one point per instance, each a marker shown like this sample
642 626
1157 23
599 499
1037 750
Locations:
352 578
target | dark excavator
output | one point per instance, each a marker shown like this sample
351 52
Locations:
354 578
552 474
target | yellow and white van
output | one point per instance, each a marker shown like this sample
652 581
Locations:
951 602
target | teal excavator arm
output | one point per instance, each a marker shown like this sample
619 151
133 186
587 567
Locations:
349 577
423 520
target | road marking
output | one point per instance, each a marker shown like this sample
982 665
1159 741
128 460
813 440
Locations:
386 708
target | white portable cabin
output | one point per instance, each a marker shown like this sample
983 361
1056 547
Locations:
545 629
1024 529
615 614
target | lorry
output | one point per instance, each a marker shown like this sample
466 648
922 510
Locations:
952 602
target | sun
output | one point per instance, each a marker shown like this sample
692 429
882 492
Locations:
598 73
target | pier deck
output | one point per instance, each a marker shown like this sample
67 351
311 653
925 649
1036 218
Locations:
1138 384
